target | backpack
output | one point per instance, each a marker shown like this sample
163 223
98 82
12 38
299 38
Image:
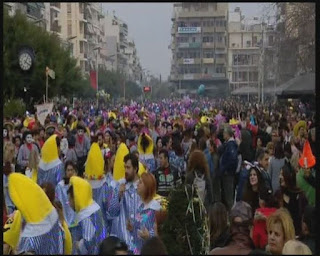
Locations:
200 185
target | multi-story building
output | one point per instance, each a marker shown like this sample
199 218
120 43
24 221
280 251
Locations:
34 11
112 33
251 52
199 46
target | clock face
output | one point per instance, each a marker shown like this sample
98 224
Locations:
25 61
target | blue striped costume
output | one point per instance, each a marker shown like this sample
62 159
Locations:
62 196
36 238
145 218
52 172
128 208
104 196
91 229
149 161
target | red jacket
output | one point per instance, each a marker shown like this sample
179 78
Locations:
259 232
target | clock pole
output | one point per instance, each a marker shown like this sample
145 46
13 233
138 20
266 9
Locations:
47 81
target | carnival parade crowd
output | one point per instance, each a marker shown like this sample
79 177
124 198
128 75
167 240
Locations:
98 181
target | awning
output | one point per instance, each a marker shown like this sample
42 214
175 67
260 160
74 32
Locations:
300 85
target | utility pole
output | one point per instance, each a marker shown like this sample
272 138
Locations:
262 82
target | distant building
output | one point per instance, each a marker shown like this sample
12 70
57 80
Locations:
251 52
199 47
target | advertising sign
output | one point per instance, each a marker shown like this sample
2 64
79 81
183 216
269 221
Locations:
43 110
147 88
188 61
189 30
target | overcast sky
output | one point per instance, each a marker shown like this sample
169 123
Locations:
149 25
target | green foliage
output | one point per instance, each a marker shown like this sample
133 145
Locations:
19 32
181 223
14 107
112 82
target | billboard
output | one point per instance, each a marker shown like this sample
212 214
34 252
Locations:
188 61
189 30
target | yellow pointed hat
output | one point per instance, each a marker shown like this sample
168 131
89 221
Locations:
112 114
49 151
82 193
142 169
29 198
67 239
118 170
149 149
12 229
94 169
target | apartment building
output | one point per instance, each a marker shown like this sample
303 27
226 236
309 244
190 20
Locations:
251 52
90 35
199 47
35 11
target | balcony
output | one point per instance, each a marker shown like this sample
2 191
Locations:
195 45
55 6
173 31
221 61
199 14
208 45
207 60
221 29
221 45
83 18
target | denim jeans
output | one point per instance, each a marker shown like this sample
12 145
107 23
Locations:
228 190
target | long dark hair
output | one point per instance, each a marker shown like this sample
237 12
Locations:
218 217
279 150
249 194
289 176
144 142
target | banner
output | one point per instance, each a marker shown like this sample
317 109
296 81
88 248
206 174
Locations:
93 79
43 111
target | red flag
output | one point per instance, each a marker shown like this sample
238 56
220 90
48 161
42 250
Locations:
93 79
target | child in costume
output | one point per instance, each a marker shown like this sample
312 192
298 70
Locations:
102 193
42 233
145 149
91 230
50 167
62 195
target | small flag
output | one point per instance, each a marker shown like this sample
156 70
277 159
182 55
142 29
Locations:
93 79
51 73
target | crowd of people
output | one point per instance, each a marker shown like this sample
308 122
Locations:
97 180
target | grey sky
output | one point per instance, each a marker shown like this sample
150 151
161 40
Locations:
149 25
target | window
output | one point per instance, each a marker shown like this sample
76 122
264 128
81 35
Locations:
254 40
193 39
270 40
248 43
69 28
81 25
81 47
69 7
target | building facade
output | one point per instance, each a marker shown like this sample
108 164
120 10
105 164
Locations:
251 52
199 47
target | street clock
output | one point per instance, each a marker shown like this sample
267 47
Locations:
26 58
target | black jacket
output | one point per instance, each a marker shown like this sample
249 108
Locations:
228 157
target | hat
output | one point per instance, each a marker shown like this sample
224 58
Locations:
307 160
233 121
7 125
299 125
94 167
243 210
